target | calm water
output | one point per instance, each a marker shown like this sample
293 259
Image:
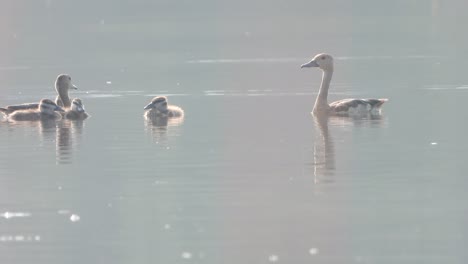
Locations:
249 176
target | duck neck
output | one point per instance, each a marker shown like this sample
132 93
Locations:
63 94
321 103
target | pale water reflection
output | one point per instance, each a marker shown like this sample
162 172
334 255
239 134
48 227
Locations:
63 134
68 136
160 126
324 152
249 176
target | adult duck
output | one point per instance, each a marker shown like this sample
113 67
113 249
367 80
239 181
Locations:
63 83
344 106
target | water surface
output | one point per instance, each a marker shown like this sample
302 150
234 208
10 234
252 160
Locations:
249 176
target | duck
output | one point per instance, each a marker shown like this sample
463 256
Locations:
77 111
63 83
158 107
47 111
342 107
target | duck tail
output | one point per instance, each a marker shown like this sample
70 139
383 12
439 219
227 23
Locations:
381 102
4 111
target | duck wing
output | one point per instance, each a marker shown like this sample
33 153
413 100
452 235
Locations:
12 108
346 105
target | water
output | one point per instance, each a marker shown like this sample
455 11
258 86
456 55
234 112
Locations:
249 176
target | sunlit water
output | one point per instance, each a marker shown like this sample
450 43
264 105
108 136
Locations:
249 175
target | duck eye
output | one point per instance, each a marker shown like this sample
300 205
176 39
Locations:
323 57
69 78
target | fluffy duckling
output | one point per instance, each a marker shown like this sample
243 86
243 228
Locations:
341 107
62 85
77 111
47 111
159 108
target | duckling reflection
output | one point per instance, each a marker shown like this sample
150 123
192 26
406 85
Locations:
324 151
160 108
160 127
77 111
47 111
62 85
68 135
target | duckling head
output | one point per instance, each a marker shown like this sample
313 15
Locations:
77 106
323 61
47 106
64 82
159 103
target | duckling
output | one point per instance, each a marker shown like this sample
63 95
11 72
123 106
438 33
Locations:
159 108
47 111
62 85
77 111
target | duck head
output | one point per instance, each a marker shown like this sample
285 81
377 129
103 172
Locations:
77 106
64 82
159 103
323 61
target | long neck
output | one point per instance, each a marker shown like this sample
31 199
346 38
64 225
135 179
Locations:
321 101
326 79
62 90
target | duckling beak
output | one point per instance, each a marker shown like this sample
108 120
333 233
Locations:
149 106
80 109
310 64
59 109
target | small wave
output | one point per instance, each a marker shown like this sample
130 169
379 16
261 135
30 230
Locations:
15 68
239 61
8 215
291 59
103 95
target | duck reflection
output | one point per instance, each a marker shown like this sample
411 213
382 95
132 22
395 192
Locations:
68 135
161 126
324 152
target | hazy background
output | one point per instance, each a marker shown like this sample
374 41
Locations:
249 176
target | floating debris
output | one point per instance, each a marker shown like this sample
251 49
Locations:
74 218
186 255
273 258
313 251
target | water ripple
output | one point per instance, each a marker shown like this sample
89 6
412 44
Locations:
8 215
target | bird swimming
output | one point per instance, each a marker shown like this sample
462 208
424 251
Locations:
77 111
160 108
47 111
62 85
344 106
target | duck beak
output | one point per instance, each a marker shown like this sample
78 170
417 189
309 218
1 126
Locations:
149 106
74 87
59 109
310 64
